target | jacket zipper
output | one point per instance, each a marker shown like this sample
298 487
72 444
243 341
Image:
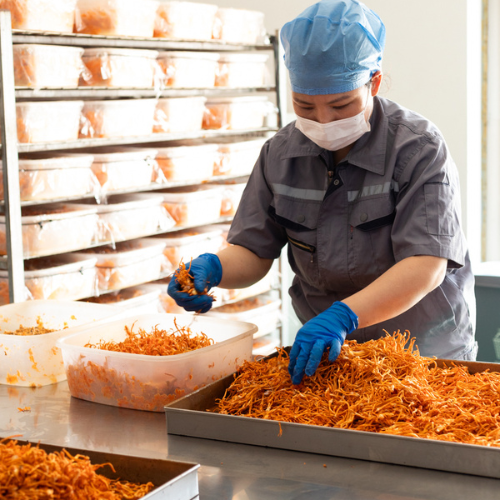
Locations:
303 246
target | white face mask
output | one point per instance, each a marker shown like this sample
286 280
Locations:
337 134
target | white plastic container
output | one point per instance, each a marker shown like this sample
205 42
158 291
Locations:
242 71
41 66
116 17
263 311
119 167
238 158
120 118
231 197
185 20
188 69
54 228
235 113
130 263
187 163
48 176
193 205
179 114
48 121
127 216
67 277
188 244
135 300
41 15
150 382
239 26
34 360
121 68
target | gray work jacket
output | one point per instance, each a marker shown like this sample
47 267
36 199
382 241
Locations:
395 195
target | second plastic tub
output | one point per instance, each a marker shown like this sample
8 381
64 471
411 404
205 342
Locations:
127 216
233 113
150 382
118 118
60 277
188 69
129 263
231 197
239 26
185 20
193 205
242 71
187 163
54 228
40 66
41 15
121 68
47 176
179 114
119 167
238 158
116 17
48 121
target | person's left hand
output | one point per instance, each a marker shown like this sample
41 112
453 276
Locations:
327 330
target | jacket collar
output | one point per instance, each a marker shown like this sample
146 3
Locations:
368 152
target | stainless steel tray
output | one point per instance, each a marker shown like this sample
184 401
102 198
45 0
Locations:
172 480
188 416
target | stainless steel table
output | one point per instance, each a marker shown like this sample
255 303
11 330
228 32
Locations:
228 471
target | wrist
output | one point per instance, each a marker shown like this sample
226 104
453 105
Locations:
216 268
348 317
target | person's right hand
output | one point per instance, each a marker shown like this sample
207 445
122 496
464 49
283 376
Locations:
206 271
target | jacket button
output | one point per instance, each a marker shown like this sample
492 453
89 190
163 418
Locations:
301 218
336 182
363 217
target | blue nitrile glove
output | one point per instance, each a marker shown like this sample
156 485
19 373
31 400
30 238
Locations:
327 329
207 273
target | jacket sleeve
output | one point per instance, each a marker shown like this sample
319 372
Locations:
427 218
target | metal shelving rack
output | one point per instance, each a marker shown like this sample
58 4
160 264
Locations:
14 261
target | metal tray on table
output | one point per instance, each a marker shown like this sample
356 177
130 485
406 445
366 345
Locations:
172 480
188 416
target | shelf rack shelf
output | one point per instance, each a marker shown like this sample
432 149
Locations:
153 138
105 92
82 40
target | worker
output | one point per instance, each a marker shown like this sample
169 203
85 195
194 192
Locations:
366 195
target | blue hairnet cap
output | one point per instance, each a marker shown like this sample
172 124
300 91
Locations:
334 46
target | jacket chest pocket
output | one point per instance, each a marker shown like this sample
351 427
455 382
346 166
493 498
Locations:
300 220
370 243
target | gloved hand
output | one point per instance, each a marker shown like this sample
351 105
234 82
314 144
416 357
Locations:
327 329
207 273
